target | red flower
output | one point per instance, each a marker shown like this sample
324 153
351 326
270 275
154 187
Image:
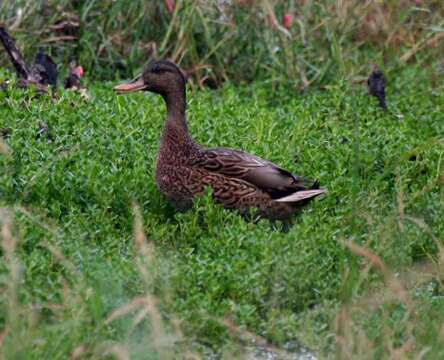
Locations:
169 5
287 20
78 70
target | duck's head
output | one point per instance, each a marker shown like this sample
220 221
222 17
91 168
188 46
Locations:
161 77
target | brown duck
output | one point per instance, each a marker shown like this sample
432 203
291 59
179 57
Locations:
239 180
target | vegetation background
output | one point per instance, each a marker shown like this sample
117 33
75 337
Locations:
95 264
296 42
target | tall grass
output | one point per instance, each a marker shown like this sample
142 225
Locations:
236 40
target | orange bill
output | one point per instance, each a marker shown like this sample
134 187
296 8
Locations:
134 85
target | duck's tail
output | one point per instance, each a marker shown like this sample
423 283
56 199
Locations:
301 195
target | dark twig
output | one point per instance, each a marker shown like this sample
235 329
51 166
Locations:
16 58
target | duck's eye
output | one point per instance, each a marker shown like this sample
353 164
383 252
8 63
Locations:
158 70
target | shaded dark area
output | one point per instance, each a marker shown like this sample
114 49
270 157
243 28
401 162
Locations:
376 86
5 133
45 69
43 72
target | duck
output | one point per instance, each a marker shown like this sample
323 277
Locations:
239 181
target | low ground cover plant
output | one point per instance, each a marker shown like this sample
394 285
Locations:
94 262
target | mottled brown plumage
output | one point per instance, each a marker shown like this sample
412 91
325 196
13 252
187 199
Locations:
239 180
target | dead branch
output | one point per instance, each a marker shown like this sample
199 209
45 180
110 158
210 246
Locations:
17 60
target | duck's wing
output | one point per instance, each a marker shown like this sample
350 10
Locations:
262 173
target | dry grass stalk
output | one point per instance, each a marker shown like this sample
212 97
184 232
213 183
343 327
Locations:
274 23
243 335
147 304
119 352
145 249
5 150
51 229
400 200
3 335
430 40
352 339
421 224
8 241
123 310
58 255
9 244
422 353
78 352
395 284
342 329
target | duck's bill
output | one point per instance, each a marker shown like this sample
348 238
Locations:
135 85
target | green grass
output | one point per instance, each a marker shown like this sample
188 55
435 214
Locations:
80 200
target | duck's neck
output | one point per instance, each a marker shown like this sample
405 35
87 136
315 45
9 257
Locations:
176 130
176 104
